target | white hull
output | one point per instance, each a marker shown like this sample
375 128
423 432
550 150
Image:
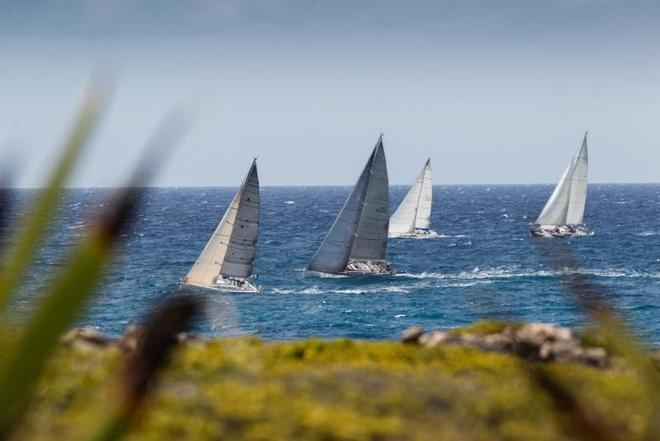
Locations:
226 285
417 234
559 231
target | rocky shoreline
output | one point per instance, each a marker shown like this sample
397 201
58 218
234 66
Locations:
541 342
530 341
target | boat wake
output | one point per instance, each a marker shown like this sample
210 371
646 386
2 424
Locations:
379 289
513 273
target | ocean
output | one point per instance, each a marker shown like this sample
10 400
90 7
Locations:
483 265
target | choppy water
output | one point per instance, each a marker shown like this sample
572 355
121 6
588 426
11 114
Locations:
483 265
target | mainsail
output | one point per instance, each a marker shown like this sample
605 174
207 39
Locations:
231 250
360 230
414 212
567 202
578 198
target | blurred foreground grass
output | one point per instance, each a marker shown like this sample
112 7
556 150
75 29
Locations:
244 389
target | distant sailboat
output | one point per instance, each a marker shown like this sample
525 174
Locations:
413 216
563 214
226 262
357 241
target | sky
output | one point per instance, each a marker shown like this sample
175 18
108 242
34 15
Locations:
495 92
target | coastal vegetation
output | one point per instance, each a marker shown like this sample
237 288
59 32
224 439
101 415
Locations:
247 389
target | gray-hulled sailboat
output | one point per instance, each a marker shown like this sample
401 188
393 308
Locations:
563 214
226 262
357 241
413 216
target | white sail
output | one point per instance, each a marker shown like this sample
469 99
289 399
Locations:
578 198
423 219
360 229
567 202
404 218
554 211
231 250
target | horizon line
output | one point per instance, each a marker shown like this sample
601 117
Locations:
77 187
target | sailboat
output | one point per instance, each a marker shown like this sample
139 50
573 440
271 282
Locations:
413 216
226 261
357 241
563 214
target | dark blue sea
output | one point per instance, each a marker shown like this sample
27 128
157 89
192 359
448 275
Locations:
484 264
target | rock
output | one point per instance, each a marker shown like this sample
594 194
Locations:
86 338
131 338
532 341
544 342
186 337
538 333
432 339
500 342
412 335
597 357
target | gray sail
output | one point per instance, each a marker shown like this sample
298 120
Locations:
371 237
231 249
578 198
335 250
242 246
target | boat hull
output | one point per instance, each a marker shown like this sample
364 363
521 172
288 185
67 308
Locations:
368 268
224 286
418 233
560 231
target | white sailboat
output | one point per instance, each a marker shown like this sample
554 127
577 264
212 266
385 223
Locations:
563 214
357 241
227 259
413 216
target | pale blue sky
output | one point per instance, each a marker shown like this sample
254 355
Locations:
493 91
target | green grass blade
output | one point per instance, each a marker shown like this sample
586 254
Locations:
59 309
619 338
73 287
137 378
19 254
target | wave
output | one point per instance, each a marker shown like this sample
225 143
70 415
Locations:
77 226
513 273
649 234
315 289
430 236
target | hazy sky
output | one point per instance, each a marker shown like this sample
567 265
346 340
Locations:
494 91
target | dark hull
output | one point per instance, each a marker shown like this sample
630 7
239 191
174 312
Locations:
560 232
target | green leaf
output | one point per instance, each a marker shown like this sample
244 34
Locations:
22 248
